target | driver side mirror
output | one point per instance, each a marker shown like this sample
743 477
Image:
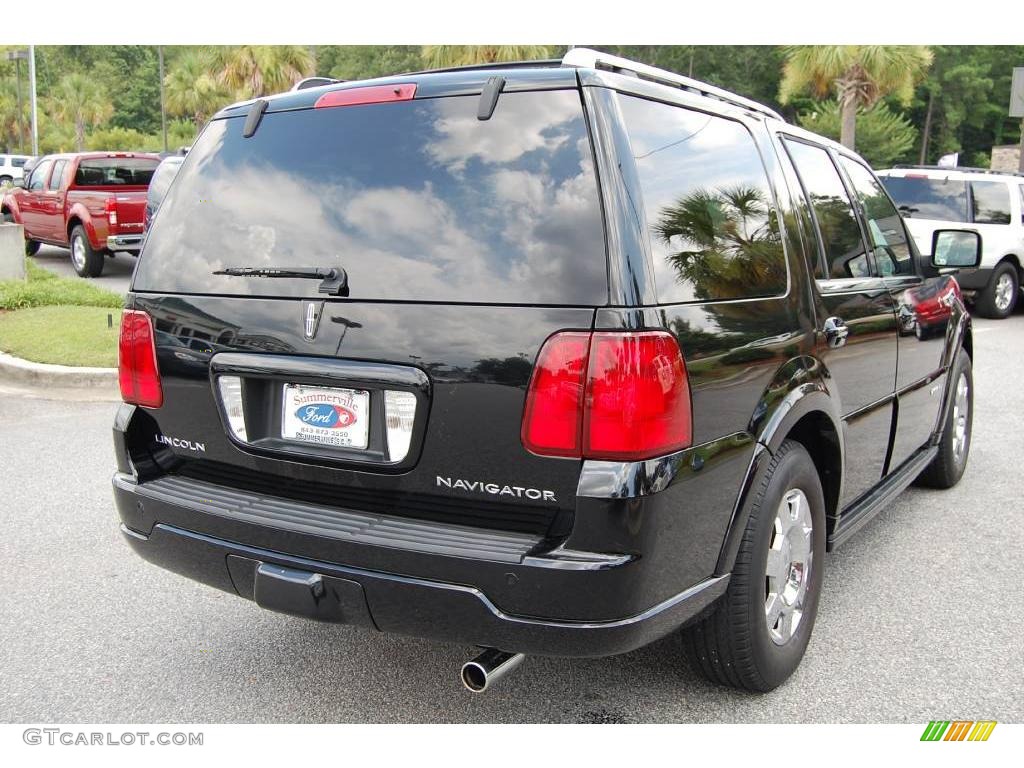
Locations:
956 249
20 183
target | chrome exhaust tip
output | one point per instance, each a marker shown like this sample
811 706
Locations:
488 668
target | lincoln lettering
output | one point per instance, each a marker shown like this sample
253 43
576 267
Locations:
177 442
495 489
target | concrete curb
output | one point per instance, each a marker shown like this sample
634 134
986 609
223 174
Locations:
18 371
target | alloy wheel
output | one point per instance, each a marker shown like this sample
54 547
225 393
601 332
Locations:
788 566
961 412
1004 291
78 253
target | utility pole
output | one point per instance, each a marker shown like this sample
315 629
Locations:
17 56
163 110
32 98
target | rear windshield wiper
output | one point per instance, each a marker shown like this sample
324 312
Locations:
334 280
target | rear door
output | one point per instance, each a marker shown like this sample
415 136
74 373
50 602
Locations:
466 243
52 204
924 305
856 318
928 200
992 216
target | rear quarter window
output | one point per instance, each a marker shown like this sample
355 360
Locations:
990 202
417 201
709 208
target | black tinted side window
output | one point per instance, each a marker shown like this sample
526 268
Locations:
990 202
710 213
833 212
885 228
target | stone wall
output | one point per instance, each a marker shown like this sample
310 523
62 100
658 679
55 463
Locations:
1006 158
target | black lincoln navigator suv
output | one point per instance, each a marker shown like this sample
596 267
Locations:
555 359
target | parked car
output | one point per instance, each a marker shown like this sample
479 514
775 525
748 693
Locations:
991 203
546 359
12 167
162 178
90 202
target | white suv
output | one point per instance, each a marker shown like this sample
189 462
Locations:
931 198
12 167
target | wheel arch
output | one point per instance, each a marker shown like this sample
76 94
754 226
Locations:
799 407
1014 259
79 215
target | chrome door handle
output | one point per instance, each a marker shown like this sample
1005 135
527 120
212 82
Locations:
836 332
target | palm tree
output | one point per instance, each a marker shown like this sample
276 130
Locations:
192 90
81 101
860 74
442 56
256 70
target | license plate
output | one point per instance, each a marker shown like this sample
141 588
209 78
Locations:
326 416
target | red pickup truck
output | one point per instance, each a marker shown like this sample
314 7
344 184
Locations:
91 202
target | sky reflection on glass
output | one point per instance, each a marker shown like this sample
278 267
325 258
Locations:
417 201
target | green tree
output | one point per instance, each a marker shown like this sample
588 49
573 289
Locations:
884 137
358 62
258 70
116 138
749 70
859 74
191 90
442 56
82 102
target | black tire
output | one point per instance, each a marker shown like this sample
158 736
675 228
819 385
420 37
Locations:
733 645
949 464
31 247
87 262
987 304
5 179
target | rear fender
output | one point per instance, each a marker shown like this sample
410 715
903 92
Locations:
95 231
798 390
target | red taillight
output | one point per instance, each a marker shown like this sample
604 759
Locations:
136 361
371 94
111 206
608 395
553 420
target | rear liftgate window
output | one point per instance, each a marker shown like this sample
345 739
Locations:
713 225
417 200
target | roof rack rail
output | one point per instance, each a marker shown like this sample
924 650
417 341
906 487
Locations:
487 65
910 167
587 57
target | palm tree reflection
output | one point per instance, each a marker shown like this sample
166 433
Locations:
731 243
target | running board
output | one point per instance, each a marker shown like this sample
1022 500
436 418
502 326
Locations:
865 508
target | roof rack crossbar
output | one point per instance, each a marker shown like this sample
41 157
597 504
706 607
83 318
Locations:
586 57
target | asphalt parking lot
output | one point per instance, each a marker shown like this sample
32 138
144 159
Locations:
920 618
117 272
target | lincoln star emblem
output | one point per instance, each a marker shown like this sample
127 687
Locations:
312 311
